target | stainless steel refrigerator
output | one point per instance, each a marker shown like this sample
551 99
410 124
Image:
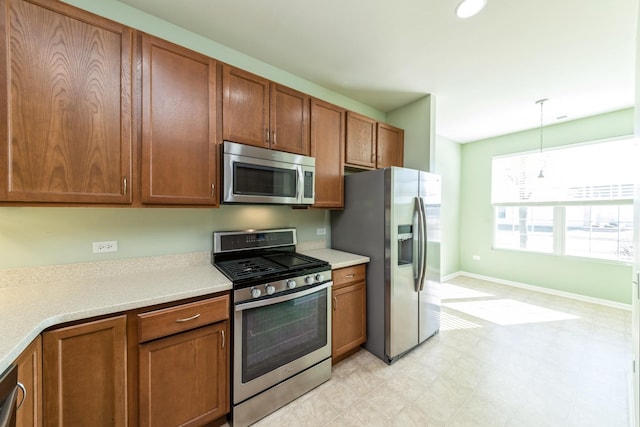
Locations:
392 215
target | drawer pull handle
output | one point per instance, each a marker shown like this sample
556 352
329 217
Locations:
335 303
186 319
349 276
222 338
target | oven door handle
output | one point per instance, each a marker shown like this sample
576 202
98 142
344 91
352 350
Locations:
261 303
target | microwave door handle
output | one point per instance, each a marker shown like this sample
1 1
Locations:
299 181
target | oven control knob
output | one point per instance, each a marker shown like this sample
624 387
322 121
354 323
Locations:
255 292
270 289
308 280
319 277
291 284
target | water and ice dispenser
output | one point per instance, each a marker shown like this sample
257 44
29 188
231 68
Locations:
405 244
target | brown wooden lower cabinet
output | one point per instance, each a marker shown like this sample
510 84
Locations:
183 364
183 378
180 361
85 370
30 376
349 311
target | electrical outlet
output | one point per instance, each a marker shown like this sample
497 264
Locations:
108 246
476 257
321 231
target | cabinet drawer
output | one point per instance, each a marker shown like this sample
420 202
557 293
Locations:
168 321
343 276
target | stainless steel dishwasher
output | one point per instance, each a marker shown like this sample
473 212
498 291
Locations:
9 386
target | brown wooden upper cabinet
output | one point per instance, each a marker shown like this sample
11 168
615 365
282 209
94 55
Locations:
360 145
259 112
390 146
66 116
371 144
327 146
179 125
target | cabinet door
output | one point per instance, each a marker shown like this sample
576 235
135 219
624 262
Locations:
30 375
390 146
183 378
66 116
85 368
179 149
289 121
245 109
360 144
348 320
327 146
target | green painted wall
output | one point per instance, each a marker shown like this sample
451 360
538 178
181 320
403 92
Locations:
447 165
35 236
596 279
417 120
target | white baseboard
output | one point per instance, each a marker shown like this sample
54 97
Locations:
579 297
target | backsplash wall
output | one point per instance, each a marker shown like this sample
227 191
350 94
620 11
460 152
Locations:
38 236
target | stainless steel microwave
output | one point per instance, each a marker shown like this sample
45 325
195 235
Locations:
258 175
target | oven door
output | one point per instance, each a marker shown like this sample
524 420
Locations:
276 338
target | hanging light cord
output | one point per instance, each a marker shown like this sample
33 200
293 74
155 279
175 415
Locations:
541 102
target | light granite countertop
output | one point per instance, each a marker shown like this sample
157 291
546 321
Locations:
43 297
34 299
337 259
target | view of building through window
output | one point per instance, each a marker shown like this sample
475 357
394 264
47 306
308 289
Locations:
582 206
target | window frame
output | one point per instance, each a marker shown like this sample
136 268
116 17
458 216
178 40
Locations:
559 210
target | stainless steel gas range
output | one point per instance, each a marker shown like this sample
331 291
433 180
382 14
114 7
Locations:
281 320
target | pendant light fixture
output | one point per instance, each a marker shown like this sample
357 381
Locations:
541 102
468 8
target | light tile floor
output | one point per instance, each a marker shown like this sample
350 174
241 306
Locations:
504 357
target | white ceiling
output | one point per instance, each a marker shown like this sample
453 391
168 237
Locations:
486 72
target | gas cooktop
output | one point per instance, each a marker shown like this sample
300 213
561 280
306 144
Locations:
265 255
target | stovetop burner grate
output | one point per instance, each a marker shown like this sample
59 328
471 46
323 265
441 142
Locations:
249 267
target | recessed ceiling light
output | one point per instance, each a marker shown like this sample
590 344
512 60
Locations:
468 8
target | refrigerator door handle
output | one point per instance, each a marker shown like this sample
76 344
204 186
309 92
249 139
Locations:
419 215
423 243
417 259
